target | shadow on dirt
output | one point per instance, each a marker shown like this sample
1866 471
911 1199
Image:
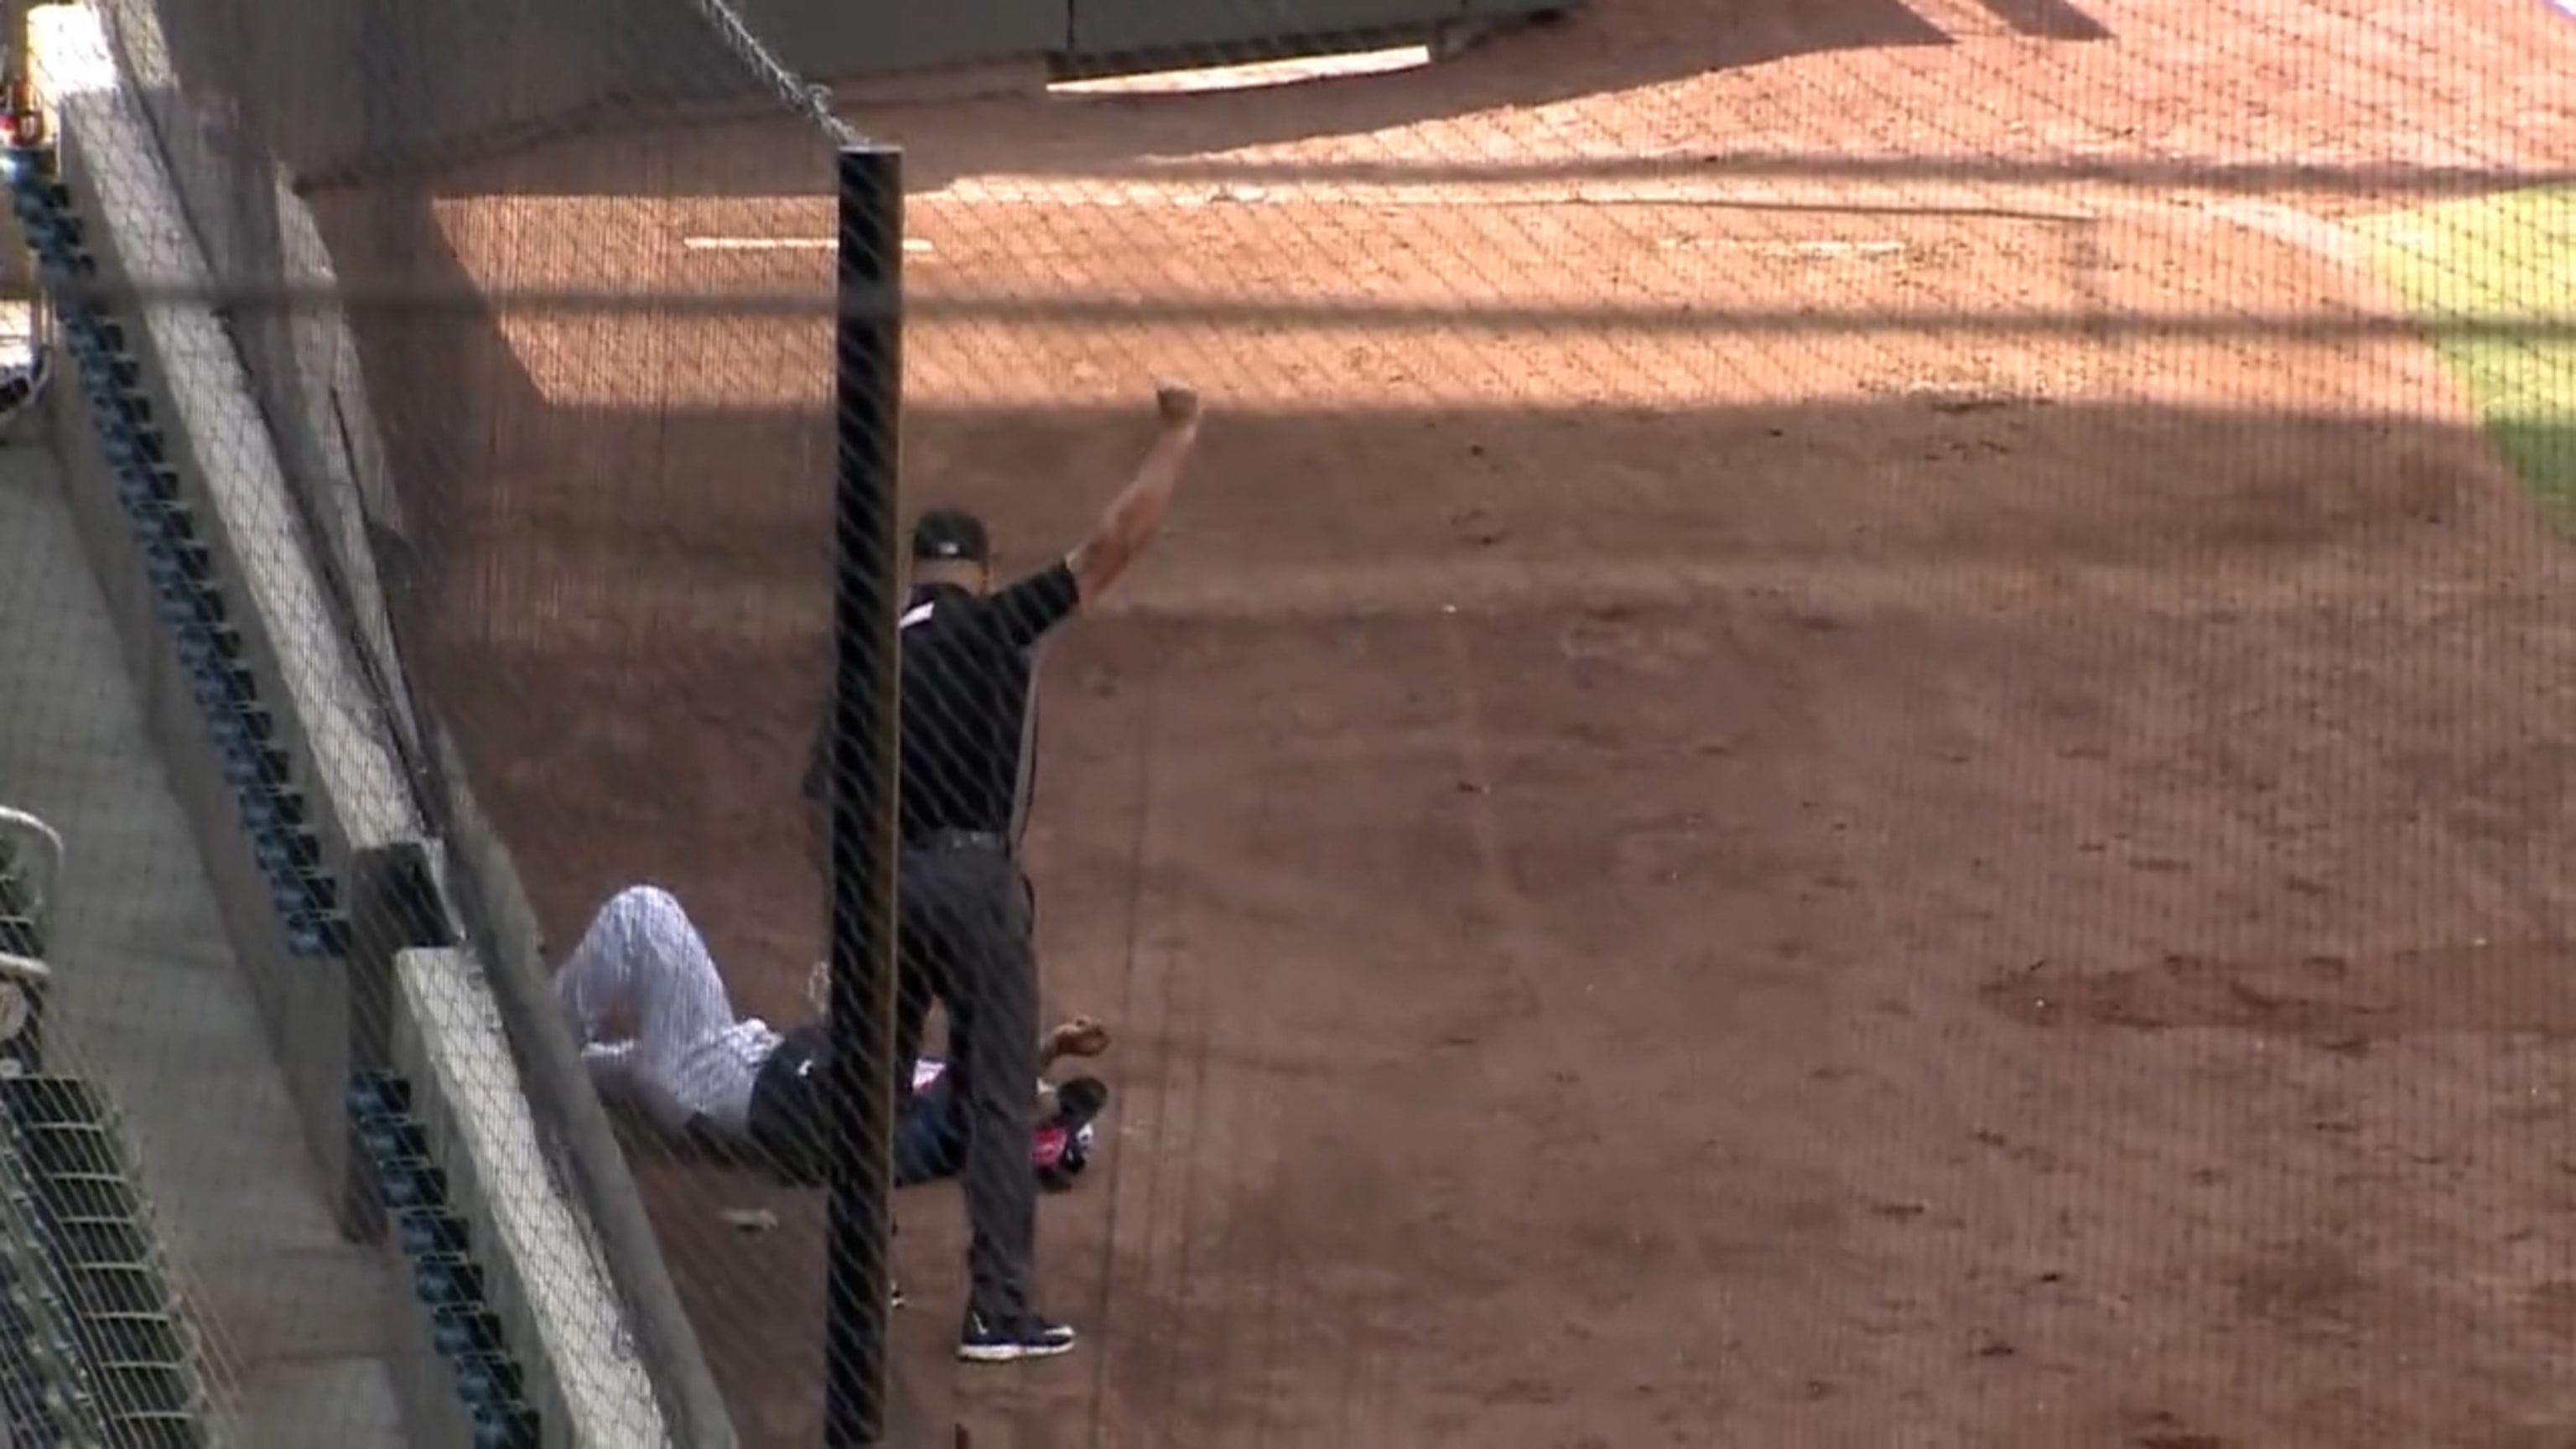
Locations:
505 487
1617 45
1611 46
490 471
1157 139
626 534
677 551
2046 19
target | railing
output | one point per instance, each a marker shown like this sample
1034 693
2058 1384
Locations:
93 1350
75 1188
44 1378
31 862
45 1390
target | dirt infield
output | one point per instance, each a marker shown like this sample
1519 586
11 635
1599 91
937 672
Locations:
1835 881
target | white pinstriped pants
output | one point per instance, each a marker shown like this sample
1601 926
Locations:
643 959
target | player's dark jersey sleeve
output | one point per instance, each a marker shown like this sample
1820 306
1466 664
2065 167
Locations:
1024 611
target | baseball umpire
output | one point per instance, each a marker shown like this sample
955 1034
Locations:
965 909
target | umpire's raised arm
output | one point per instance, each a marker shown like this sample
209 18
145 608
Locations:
1133 517
1026 610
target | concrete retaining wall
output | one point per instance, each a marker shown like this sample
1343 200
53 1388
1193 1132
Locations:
325 1016
353 779
542 1275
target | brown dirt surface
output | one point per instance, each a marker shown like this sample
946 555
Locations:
1949 831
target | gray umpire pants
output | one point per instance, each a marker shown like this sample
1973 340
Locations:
964 923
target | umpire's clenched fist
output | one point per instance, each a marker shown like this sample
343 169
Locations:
1176 403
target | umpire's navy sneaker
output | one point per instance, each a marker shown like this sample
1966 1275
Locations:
987 1341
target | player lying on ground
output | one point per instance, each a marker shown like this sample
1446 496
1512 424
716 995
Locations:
696 1070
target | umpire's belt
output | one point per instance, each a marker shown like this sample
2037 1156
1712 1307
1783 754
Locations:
993 841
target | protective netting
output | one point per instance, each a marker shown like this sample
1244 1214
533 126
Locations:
1848 730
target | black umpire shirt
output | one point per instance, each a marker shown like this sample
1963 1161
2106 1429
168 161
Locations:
969 704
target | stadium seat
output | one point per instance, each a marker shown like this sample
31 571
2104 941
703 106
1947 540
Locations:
40 1398
45 1388
31 856
79 1195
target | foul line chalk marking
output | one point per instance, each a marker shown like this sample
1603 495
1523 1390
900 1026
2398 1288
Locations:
912 245
1014 190
1759 246
1784 247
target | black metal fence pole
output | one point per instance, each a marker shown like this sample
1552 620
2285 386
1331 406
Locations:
868 396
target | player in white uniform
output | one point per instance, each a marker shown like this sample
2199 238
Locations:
690 1063
685 1057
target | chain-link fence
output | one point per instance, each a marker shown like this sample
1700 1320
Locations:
1848 724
